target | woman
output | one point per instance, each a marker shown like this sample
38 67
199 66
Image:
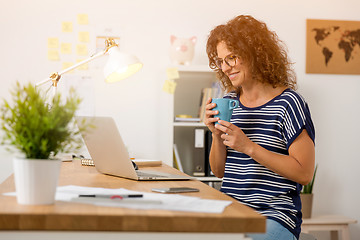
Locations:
266 152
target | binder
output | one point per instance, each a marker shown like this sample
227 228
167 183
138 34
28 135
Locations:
208 141
177 160
198 164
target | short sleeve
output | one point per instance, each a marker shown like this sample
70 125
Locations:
297 118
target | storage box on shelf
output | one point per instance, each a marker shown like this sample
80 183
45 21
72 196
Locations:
190 137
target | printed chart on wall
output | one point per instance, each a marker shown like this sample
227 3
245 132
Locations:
333 46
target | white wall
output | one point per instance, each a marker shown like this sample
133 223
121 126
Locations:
140 107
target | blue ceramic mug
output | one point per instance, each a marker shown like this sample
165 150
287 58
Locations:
225 107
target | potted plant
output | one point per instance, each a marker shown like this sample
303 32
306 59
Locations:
307 197
38 133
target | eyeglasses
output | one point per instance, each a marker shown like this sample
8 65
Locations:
230 60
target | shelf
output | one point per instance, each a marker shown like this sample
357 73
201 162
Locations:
209 179
189 87
189 124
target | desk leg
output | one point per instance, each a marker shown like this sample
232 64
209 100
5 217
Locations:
345 235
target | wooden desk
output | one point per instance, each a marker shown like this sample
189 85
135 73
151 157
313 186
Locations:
67 216
332 223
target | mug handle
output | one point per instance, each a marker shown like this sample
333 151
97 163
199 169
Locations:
233 104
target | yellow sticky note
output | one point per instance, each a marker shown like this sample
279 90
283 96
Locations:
66 48
53 55
82 67
169 86
172 73
83 19
53 42
66 65
81 50
84 37
67 26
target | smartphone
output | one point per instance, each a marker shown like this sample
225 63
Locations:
175 190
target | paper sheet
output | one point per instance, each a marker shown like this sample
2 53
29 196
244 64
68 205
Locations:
84 37
172 73
169 86
66 48
66 65
81 50
147 162
83 19
53 42
53 55
82 67
66 26
173 202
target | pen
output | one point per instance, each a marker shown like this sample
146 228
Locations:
120 196
115 201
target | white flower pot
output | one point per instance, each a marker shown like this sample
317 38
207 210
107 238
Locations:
36 180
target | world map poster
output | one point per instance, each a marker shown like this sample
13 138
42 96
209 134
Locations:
332 46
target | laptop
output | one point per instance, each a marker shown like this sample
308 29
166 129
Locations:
110 155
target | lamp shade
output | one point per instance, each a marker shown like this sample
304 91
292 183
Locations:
120 65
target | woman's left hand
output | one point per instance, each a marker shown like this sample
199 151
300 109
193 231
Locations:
234 137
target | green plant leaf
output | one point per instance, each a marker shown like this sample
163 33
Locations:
34 129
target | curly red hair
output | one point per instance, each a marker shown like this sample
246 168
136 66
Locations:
259 47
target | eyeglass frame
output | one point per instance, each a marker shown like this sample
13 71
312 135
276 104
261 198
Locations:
226 60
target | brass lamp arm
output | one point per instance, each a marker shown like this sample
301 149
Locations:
55 77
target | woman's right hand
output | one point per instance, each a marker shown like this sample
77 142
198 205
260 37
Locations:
217 157
209 119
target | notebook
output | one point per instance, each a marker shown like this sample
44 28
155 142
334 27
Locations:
110 155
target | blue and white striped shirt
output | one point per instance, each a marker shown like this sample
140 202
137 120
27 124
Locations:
274 126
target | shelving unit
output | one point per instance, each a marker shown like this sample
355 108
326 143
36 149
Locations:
187 100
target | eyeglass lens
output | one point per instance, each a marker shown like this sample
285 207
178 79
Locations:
229 60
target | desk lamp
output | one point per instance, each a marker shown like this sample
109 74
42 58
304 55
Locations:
118 67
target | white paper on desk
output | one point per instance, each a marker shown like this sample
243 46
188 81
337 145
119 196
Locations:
147 162
174 202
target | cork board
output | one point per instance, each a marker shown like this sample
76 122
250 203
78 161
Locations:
332 46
